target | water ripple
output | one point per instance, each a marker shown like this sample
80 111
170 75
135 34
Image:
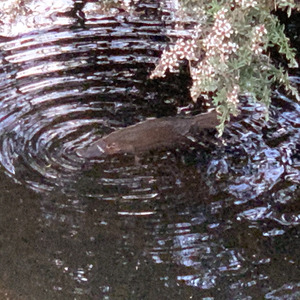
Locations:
59 88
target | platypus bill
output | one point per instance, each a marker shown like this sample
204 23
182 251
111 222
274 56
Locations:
148 135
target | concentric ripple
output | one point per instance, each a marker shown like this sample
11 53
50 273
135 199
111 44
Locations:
61 87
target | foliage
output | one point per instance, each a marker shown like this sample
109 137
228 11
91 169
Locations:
228 50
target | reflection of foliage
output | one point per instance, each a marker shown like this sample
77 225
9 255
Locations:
228 51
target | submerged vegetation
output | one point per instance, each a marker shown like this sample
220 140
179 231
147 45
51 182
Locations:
228 51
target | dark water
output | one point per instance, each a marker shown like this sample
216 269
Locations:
213 221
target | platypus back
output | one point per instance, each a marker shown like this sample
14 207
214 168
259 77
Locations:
148 135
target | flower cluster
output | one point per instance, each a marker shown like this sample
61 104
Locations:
217 45
127 3
184 48
197 31
246 3
204 71
218 41
257 39
232 97
224 56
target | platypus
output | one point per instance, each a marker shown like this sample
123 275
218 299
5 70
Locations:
148 135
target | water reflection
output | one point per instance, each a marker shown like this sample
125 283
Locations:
220 221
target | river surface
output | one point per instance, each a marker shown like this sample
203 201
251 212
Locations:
217 219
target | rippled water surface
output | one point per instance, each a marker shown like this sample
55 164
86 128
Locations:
212 220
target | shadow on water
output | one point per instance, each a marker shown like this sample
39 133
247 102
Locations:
218 219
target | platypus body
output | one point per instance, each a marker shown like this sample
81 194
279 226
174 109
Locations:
149 135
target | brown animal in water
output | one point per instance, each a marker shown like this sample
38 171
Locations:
149 135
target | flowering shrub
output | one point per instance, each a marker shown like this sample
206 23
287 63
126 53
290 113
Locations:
228 51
